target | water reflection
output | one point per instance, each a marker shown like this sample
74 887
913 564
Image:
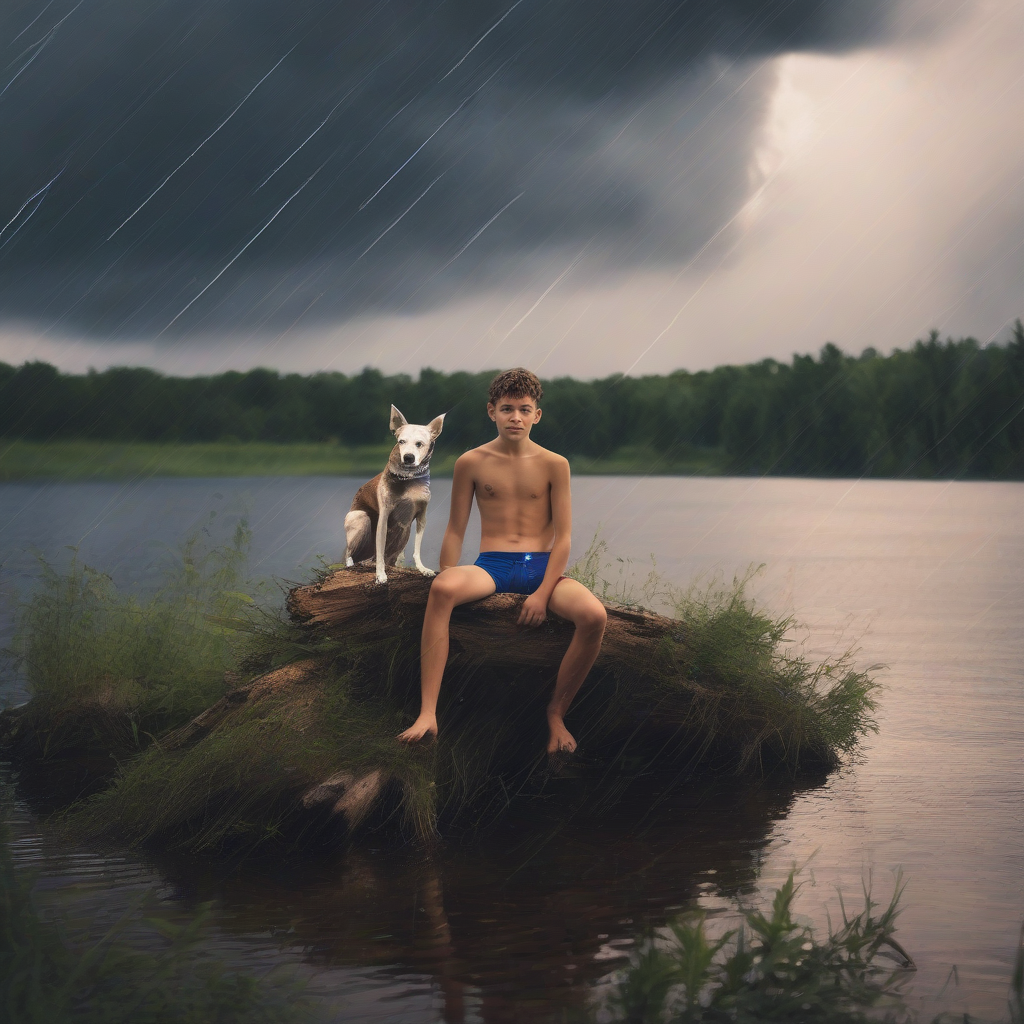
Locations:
524 919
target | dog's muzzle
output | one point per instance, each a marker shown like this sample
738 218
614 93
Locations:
409 458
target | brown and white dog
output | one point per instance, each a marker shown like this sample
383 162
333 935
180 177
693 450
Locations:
383 509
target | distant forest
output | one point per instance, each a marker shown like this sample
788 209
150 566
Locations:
939 409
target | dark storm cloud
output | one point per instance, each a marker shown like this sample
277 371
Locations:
147 146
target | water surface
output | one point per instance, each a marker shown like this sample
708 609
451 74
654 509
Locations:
925 578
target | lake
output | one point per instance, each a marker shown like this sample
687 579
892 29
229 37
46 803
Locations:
924 578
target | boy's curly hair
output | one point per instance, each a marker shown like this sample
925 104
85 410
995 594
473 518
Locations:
515 383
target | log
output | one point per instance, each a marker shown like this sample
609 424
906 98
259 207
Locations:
351 603
346 795
217 713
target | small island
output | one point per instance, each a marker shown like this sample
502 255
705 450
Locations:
300 746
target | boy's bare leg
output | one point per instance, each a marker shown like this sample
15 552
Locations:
571 600
458 584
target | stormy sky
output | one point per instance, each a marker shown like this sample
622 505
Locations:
581 187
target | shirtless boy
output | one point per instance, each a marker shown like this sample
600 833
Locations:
522 491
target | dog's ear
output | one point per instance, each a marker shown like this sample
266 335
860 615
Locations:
397 421
435 425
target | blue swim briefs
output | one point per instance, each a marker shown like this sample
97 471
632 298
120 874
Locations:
514 572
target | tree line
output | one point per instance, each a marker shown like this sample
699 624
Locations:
938 409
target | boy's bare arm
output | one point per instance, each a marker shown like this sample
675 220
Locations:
535 607
458 517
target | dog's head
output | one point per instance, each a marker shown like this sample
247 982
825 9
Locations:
415 443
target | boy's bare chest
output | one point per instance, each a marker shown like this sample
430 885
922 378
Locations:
526 485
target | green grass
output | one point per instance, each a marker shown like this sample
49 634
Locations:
734 680
116 460
111 460
770 968
108 670
773 967
732 699
239 786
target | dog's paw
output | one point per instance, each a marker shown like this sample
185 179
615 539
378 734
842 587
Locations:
349 562
425 571
382 577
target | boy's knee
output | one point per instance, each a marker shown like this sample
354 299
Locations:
442 590
593 617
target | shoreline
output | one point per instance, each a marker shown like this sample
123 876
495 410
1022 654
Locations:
71 461
82 460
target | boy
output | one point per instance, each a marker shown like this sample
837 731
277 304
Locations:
522 491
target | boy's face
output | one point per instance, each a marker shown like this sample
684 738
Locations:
514 417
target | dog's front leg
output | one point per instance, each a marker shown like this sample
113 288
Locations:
382 540
421 525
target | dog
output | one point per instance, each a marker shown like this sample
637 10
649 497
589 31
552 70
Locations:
383 509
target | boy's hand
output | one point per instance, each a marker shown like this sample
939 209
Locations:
535 611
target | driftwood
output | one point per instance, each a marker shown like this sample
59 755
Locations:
346 796
350 603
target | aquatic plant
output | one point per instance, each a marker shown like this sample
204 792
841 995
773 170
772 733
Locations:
773 967
769 968
107 670
55 971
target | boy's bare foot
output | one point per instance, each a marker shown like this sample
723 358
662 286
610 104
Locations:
561 740
423 730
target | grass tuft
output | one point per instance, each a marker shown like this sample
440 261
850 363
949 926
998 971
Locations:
108 670
728 682
770 968
241 785
786 706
